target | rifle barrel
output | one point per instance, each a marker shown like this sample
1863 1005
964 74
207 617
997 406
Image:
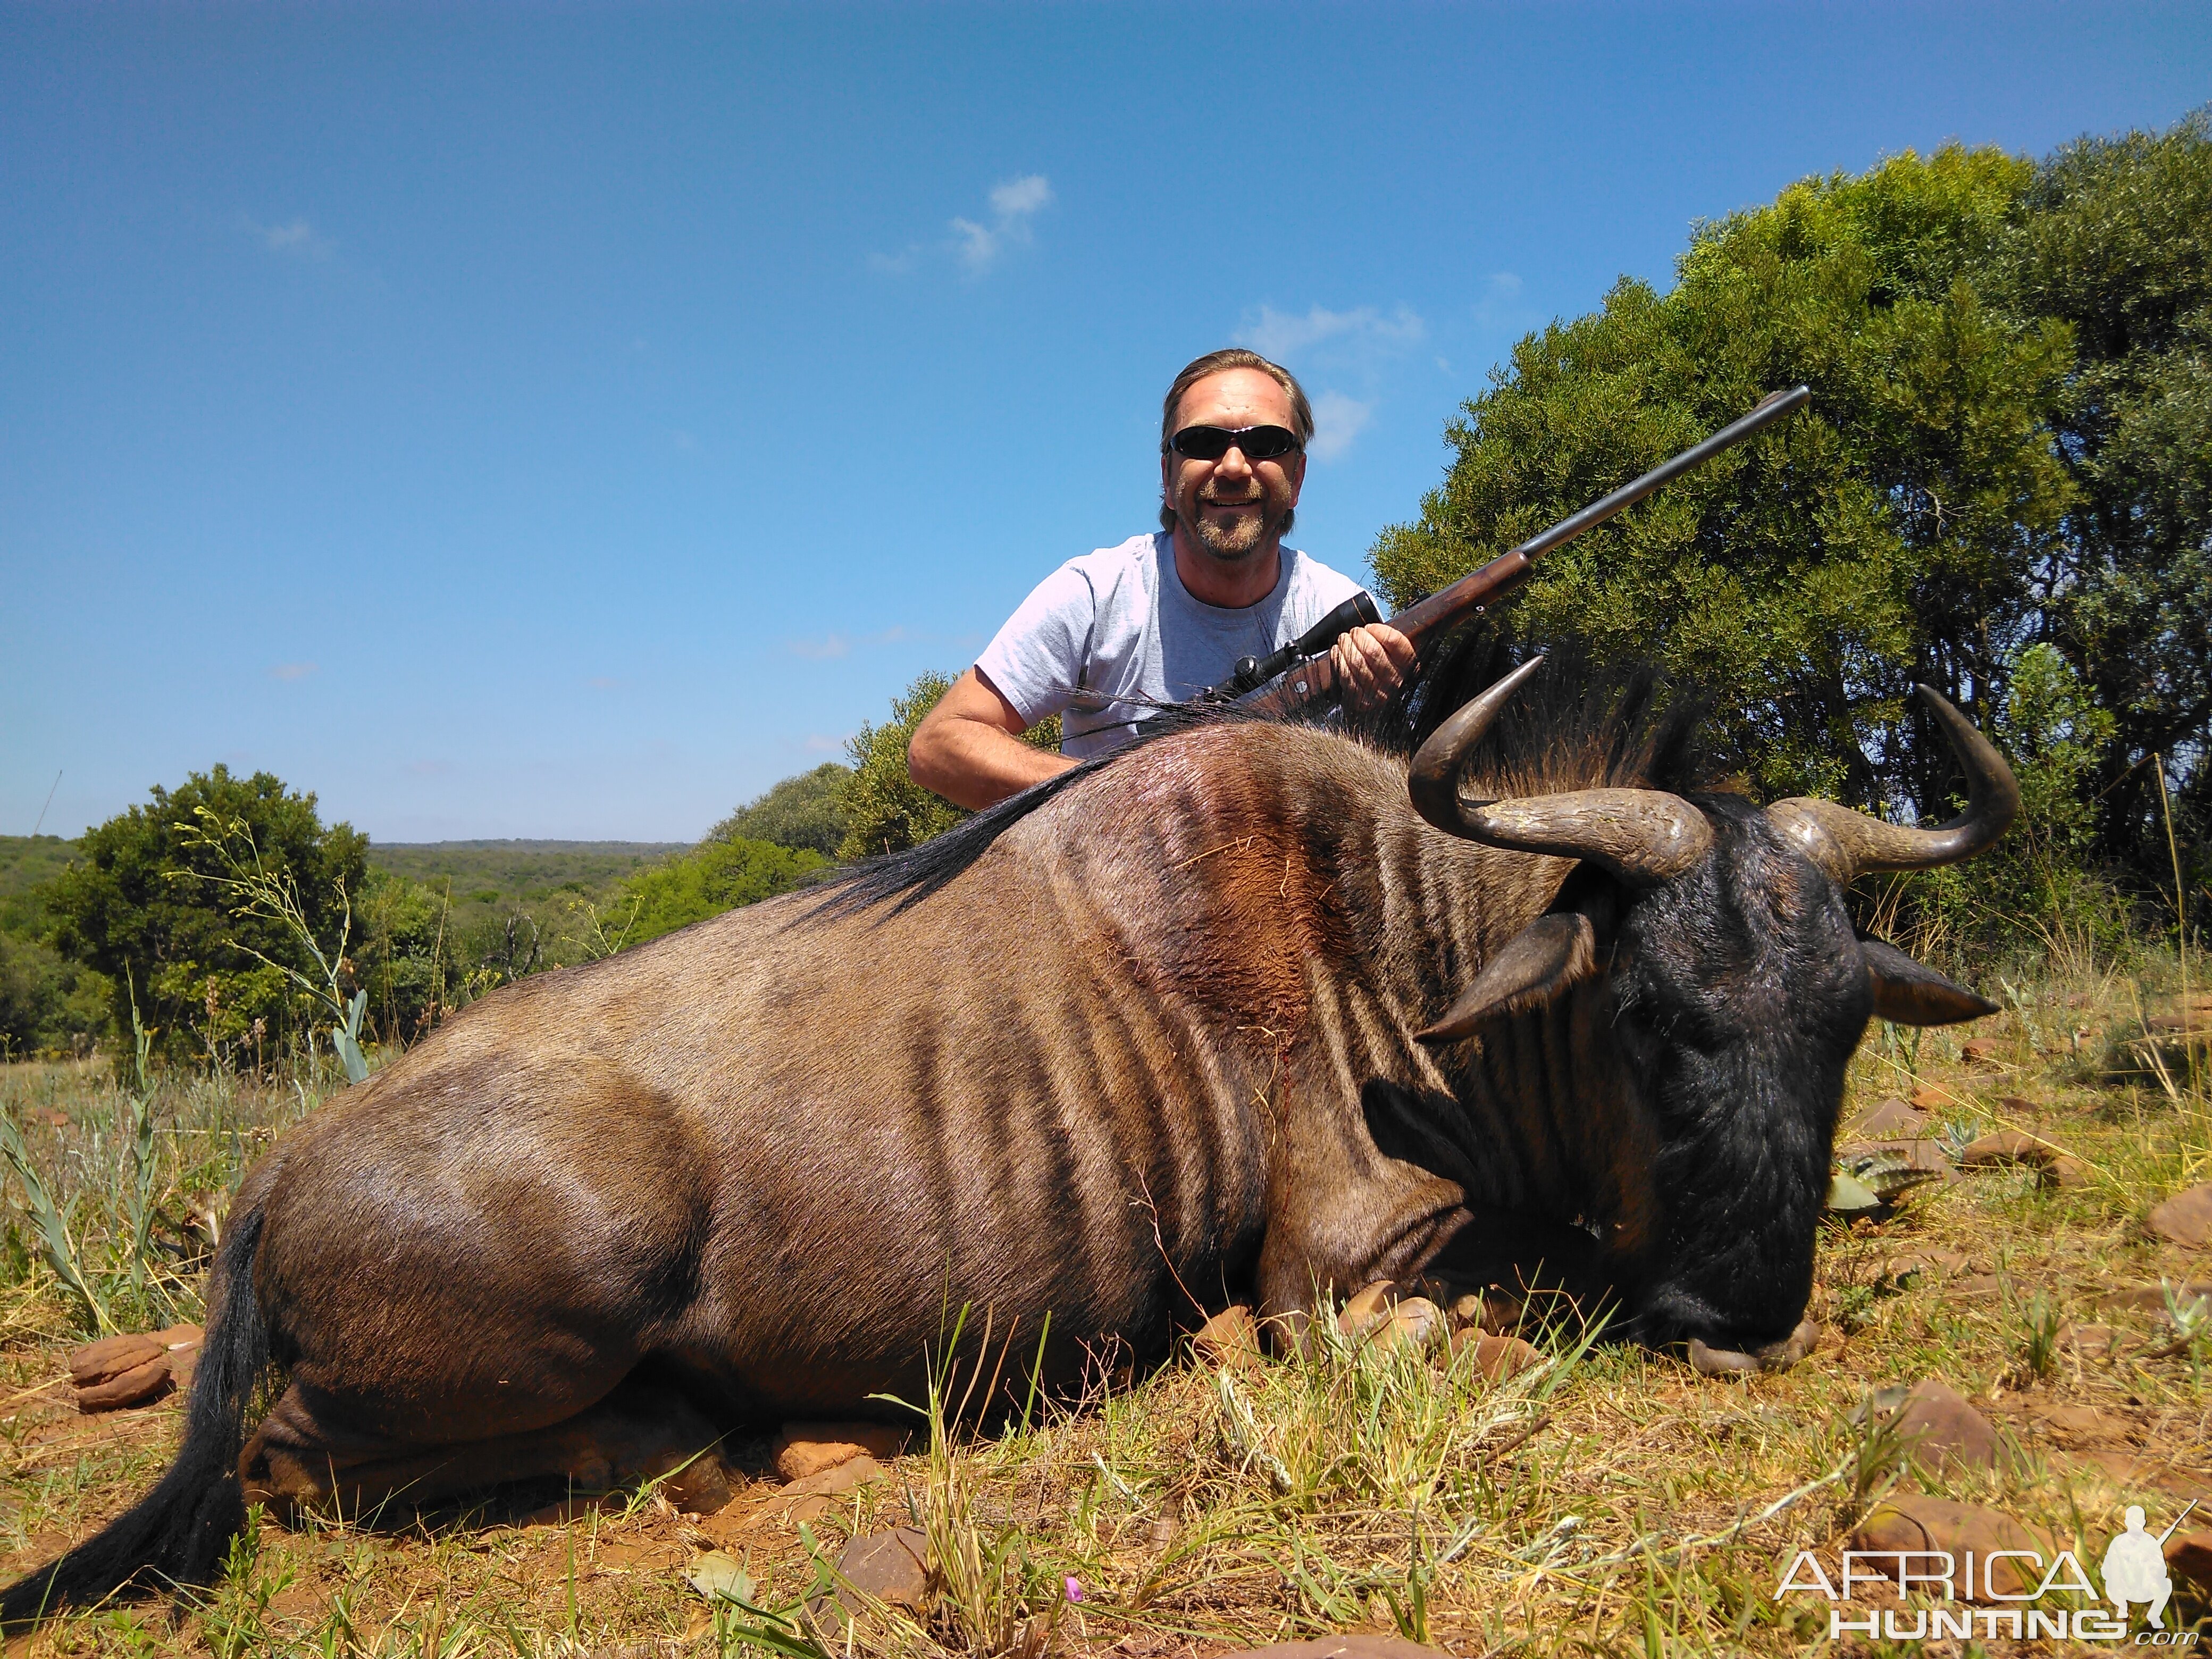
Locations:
1508 568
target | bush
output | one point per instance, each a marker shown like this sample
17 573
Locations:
714 877
141 903
806 811
885 809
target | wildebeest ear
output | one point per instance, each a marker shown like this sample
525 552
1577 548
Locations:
1540 961
1908 993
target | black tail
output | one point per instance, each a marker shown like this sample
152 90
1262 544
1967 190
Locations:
178 1533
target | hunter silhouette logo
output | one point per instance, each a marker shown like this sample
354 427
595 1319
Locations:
2135 1567
2009 1584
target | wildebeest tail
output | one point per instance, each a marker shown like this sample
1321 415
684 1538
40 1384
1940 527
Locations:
178 1533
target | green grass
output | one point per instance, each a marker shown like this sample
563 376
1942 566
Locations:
1609 1501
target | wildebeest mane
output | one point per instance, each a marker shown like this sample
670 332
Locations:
1576 725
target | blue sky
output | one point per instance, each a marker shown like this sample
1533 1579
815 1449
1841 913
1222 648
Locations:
568 421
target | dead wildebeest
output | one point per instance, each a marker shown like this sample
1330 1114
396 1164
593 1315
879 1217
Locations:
1251 1010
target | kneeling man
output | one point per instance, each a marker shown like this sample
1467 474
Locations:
1108 637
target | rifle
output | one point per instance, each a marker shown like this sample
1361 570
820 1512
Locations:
1427 621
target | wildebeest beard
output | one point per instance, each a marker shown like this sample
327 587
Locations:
1248 1012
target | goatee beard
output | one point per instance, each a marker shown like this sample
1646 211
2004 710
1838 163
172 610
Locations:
1239 538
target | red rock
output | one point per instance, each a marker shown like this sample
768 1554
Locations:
2185 1219
1913 1522
1940 1430
1892 1120
113 1356
2154 1296
836 1479
2090 1341
1982 1051
1497 1357
805 1449
1492 1309
136 1387
1230 1339
1414 1322
1946 1264
2189 1555
1368 1309
2011 1146
1930 1098
889 1567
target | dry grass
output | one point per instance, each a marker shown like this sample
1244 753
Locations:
1610 1501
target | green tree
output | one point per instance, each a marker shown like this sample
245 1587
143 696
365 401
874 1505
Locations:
885 809
714 876
143 903
806 810
1892 532
2114 237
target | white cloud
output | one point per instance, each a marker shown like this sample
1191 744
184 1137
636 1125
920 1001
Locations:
1337 421
978 246
1013 204
298 240
1019 197
1283 336
291 670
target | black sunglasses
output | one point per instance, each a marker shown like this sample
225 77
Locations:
1210 443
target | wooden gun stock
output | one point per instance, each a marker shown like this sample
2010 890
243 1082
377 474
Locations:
1425 622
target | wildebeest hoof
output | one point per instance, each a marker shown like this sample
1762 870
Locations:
1774 1357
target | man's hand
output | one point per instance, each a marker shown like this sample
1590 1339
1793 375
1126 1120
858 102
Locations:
1371 664
968 749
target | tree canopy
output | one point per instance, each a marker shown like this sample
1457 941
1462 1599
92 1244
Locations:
2009 446
805 810
143 904
715 876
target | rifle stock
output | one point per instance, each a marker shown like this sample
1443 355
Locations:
1425 622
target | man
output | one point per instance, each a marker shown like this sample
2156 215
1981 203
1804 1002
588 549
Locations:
1109 637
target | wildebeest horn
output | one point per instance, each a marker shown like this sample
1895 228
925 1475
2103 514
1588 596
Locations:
1844 842
1641 835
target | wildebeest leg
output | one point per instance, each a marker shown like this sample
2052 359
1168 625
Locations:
1331 1236
310 1453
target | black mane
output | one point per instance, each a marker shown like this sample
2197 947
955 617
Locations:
1575 726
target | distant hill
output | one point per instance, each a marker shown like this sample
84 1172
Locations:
502 873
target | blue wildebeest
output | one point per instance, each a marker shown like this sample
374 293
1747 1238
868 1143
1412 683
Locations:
1249 1010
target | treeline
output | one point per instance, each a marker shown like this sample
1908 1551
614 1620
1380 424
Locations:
220 909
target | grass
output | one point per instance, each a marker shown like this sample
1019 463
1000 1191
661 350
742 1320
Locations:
1609 1501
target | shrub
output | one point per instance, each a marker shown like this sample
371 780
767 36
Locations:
714 876
806 810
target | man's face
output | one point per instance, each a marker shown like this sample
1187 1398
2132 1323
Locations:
1235 506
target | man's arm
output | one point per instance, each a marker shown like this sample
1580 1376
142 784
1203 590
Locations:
968 749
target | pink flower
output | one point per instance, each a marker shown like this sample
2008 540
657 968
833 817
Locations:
1075 1588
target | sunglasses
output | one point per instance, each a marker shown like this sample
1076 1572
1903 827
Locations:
1210 443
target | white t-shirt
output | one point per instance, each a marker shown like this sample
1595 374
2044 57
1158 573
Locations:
1118 624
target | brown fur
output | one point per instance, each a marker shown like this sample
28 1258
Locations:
762 1157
